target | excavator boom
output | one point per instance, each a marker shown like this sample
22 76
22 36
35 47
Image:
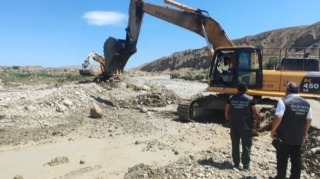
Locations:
192 20
118 51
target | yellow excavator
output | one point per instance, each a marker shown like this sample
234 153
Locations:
87 68
246 60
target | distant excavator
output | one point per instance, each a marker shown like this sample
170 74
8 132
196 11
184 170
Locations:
87 68
247 62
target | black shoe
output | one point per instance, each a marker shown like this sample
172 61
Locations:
276 178
236 167
246 168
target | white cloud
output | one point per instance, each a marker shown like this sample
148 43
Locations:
105 18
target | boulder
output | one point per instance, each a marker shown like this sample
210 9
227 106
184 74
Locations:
96 111
143 110
146 88
67 102
18 177
61 108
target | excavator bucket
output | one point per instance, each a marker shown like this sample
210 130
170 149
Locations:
117 51
117 54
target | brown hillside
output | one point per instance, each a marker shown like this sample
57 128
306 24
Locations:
292 37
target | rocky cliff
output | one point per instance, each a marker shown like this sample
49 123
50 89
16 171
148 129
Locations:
292 37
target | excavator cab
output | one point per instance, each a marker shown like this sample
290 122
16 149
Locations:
245 66
86 69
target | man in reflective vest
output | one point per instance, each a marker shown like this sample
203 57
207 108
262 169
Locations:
290 126
239 111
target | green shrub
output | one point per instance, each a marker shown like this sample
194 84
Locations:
136 88
42 76
201 76
271 63
15 67
190 73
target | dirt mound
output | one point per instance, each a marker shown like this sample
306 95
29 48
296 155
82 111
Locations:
311 154
58 161
36 112
152 99
144 171
158 99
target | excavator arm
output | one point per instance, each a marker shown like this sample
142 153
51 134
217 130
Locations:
118 51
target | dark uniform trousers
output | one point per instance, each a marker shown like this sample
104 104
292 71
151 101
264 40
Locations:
283 153
246 140
241 123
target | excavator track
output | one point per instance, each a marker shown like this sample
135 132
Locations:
203 109
111 79
86 72
211 109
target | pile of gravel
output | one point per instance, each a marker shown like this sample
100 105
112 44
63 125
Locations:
157 99
311 154
217 163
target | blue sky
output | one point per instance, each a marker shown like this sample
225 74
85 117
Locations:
55 33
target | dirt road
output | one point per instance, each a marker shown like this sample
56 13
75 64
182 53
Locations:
46 133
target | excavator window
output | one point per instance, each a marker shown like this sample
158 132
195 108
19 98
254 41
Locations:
224 70
248 60
247 77
248 65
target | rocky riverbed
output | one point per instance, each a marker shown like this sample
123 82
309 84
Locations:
47 131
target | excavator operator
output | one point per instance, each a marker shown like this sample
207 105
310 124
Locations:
227 67
226 71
